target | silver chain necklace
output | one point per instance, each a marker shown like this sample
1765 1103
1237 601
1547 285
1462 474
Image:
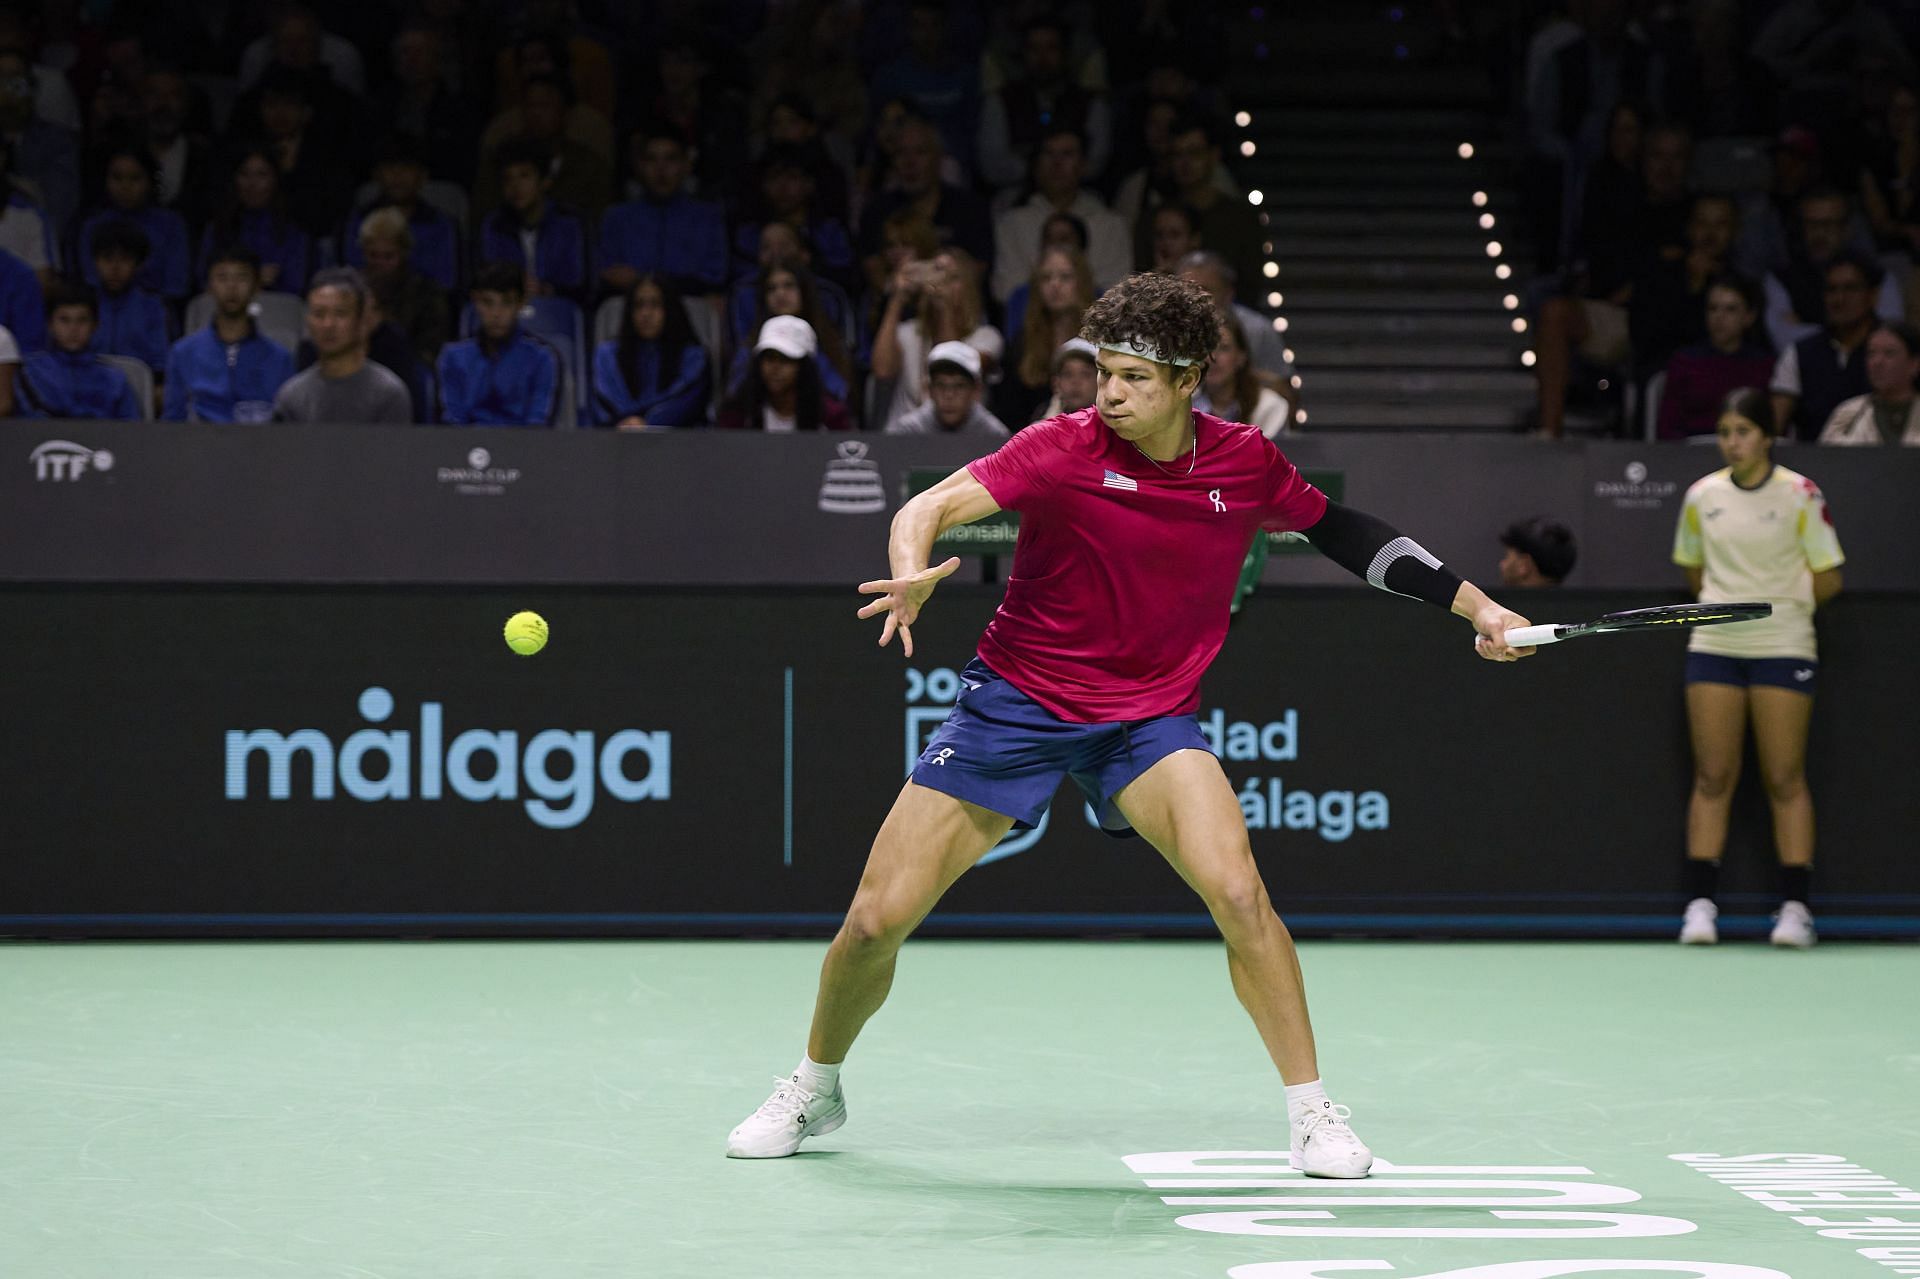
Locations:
1163 470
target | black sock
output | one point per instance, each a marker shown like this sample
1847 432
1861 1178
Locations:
1702 878
1796 884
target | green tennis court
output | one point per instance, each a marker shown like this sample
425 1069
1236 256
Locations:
229 1111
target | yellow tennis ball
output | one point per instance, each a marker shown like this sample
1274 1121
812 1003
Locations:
526 633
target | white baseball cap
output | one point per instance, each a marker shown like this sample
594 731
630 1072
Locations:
958 354
789 335
1075 346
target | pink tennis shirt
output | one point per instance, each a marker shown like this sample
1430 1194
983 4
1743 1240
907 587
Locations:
1124 572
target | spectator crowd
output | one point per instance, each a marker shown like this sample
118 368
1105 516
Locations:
1725 197
815 215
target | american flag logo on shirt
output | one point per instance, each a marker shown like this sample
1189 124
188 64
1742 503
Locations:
1115 480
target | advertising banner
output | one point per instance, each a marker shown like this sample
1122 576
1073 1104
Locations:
376 761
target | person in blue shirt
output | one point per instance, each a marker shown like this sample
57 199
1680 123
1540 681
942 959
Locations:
254 214
665 230
22 306
655 374
401 174
502 376
130 182
785 190
69 379
227 372
546 240
133 322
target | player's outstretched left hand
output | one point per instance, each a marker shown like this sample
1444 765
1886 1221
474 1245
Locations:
1493 623
901 598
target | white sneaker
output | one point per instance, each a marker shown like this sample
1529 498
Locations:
1700 926
1793 926
787 1118
1325 1146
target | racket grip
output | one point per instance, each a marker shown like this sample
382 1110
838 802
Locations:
1532 636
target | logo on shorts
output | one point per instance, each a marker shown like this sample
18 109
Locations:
1803 674
945 753
1213 495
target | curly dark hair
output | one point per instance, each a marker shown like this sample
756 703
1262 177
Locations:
1165 313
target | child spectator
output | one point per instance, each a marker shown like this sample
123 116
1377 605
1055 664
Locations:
782 391
129 190
502 376
953 397
784 289
132 321
411 302
1699 378
227 372
654 374
581 175
400 172
1539 552
545 240
22 306
1074 378
665 230
254 215
343 385
69 379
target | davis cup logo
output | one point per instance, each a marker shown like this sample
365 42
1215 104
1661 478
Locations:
63 461
479 459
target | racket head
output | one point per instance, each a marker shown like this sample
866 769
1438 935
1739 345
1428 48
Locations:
1668 616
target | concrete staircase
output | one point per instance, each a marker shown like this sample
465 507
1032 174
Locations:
1388 293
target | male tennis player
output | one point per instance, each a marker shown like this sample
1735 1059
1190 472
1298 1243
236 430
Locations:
1135 517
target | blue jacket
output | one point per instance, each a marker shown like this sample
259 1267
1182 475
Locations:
23 311
211 381
518 386
135 324
679 402
829 239
168 268
63 384
287 248
436 243
683 238
559 247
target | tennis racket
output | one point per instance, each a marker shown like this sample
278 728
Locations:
1665 617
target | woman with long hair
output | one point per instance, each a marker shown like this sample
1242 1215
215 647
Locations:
655 374
787 288
254 214
1231 391
782 391
1058 295
1753 530
945 294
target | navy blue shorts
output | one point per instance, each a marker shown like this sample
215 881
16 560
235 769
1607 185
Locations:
1004 751
1795 673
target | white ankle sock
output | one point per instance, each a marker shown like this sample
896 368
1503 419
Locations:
816 1078
1305 1097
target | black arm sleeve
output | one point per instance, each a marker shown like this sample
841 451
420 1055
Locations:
1373 549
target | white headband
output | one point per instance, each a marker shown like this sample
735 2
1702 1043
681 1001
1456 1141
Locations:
1135 347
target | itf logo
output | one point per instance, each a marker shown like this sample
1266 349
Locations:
62 460
557 800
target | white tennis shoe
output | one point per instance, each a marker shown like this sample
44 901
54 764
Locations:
1700 926
785 1120
1793 926
1324 1145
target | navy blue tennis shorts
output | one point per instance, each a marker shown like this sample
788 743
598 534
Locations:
1004 751
1795 673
